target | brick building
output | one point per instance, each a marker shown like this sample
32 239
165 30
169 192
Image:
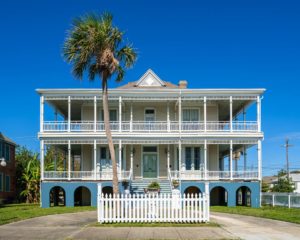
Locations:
8 172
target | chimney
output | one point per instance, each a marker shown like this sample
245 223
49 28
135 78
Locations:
182 84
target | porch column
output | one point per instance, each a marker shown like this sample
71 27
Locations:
244 118
120 114
205 114
69 113
258 114
259 158
231 114
131 159
207 207
69 160
168 157
168 117
179 153
42 114
179 114
245 158
95 113
120 157
230 160
131 117
95 159
42 150
205 159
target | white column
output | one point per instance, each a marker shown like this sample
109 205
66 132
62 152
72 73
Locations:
205 115
168 117
230 114
95 159
120 156
168 157
258 114
205 159
42 114
259 158
245 158
42 149
131 117
207 201
69 160
120 114
179 113
131 158
95 113
69 113
230 160
179 155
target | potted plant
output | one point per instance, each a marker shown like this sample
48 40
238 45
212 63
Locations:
154 187
175 183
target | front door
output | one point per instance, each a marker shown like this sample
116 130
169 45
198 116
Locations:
150 165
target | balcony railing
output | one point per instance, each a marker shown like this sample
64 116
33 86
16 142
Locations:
85 175
213 175
157 126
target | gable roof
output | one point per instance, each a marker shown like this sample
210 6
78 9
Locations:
6 139
149 80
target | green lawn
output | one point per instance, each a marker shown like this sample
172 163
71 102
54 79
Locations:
16 212
277 213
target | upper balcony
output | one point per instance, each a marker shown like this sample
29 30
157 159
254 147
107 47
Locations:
152 127
159 111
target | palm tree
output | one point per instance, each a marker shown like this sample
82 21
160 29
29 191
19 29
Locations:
94 46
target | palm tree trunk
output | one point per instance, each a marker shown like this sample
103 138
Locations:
108 135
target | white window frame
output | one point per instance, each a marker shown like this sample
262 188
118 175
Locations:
191 108
149 108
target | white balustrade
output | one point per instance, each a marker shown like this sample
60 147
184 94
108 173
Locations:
156 126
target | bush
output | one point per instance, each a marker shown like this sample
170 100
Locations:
154 185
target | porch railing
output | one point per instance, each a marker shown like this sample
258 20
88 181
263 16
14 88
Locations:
212 175
85 175
157 126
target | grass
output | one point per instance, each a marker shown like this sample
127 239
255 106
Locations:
211 224
277 213
16 212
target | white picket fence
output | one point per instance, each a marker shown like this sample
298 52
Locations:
153 208
290 200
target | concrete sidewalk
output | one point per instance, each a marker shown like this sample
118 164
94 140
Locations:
80 226
77 226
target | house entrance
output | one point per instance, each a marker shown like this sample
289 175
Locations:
150 162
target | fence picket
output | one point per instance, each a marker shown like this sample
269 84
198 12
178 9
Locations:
152 208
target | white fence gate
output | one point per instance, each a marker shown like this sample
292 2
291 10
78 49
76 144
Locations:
153 208
290 200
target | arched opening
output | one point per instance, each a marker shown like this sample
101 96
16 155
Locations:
192 190
218 197
107 190
243 196
82 197
57 197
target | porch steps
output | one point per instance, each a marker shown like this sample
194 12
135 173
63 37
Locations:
137 186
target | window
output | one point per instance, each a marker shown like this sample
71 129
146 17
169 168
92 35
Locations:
192 158
190 115
112 115
150 149
7 183
7 153
188 158
1 182
103 152
149 115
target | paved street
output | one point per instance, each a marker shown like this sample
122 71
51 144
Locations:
77 226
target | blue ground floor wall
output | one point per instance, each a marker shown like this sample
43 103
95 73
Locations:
70 187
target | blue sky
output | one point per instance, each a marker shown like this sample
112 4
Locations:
211 44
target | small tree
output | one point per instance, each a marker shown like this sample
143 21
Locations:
284 183
265 187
